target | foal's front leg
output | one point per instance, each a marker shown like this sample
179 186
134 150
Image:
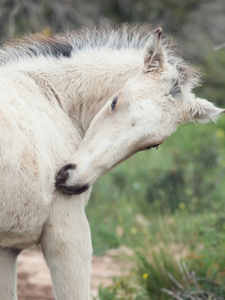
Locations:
8 273
66 244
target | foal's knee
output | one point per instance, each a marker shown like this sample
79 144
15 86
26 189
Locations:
68 241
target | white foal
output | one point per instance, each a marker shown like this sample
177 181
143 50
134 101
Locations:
54 96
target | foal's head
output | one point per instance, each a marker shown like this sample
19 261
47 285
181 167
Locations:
141 116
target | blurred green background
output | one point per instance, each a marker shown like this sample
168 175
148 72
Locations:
165 207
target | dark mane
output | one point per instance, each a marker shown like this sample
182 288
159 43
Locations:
35 45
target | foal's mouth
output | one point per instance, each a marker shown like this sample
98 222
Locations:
72 190
61 181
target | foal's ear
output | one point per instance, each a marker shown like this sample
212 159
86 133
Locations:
205 111
153 57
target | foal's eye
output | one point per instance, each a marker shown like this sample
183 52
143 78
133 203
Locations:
113 104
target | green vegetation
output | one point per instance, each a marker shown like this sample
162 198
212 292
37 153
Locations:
213 76
168 207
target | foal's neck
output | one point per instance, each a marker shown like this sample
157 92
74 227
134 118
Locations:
83 83
92 78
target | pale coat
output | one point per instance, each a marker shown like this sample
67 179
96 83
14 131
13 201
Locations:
56 110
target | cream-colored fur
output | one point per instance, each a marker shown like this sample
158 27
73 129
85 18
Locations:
52 108
42 125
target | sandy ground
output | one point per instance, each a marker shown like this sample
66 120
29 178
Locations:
34 281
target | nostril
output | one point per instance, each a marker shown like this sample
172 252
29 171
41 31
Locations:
67 167
63 175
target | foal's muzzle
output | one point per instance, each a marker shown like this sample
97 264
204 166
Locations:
62 177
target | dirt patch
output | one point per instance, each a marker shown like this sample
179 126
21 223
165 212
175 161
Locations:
34 282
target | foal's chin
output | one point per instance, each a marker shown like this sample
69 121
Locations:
72 190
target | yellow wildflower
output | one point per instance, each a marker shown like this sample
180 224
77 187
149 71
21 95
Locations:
145 275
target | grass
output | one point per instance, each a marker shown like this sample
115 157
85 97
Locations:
167 206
